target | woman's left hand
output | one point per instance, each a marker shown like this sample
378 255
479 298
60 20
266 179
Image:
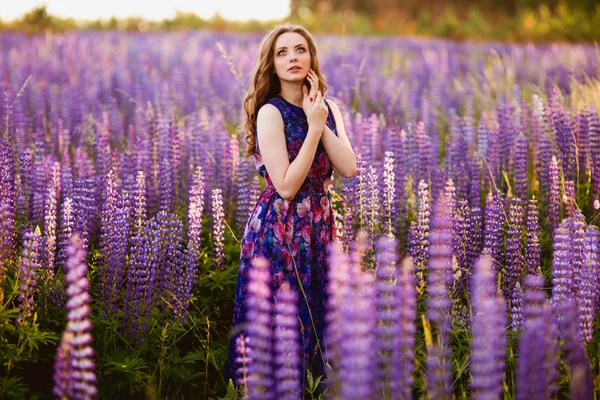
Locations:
312 95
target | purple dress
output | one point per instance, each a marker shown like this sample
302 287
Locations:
285 232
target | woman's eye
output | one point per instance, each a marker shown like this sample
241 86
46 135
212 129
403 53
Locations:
301 48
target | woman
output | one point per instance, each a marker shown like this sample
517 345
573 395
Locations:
297 138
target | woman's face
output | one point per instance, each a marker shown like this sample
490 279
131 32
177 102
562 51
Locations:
292 58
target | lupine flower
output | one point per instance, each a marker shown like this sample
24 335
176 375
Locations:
286 345
260 380
348 224
554 196
580 385
388 314
74 376
520 165
594 133
218 229
140 201
569 199
196 211
389 179
589 283
372 211
439 278
114 234
166 186
532 249
243 360
407 301
26 174
577 226
8 236
515 259
419 244
562 272
142 273
489 333
362 191
357 363
29 271
534 378
67 227
50 231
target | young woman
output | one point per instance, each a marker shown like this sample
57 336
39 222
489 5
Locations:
297 139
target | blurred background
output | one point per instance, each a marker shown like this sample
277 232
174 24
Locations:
510 21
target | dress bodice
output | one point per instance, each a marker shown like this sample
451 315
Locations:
295 129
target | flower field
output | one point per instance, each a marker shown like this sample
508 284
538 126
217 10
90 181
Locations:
467 260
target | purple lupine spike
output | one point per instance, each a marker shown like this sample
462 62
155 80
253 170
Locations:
407 301
372 211
474 237
439 278
171 262
580 385
50 232
520 167
66 176
419 246
139 199
423 143
581 126
475 182
389 182
27 274
243 206
577 226
533 247
74 376
286 347
233 159
260 379
114 235
348 224
489 333
388 314
514 257
339 284
588 289
8 235
554 196
243 359
562 272
218 229
569 199
39 188
493 238
142 273
196 212
67 228
594 134
460 234
166 186
516 307
85 208
362 191
357 364
24 200
534 378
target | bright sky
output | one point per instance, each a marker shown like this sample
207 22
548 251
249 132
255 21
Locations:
105 9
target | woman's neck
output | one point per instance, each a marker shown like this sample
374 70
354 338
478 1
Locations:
292 92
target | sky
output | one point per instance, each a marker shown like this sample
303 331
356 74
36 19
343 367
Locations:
105 9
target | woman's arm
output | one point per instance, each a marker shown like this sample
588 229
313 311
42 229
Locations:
338 148
287 178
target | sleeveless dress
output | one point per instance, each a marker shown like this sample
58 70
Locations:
285 232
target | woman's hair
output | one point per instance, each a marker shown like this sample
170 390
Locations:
265 82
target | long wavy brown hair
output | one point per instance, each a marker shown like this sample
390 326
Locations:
265 82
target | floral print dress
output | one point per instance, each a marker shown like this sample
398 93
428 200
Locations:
292 235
